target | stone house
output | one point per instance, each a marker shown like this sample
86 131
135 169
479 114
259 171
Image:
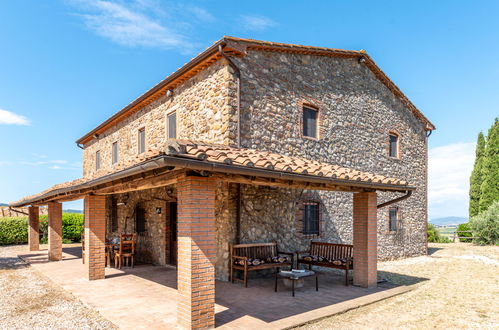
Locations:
254 141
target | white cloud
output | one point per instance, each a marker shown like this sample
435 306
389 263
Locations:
450 167
4 162
44 162
10 118
134 24
201 14
257 22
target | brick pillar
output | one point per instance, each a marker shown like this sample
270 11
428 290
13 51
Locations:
196 253
55 230
365 239
34 228
95 236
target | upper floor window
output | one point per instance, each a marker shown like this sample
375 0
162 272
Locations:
115 153
142 140
171 122
310 218
310 122
97 160
393 215
393 148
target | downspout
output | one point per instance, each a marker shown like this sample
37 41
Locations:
79 145
238 137
407 195
238 93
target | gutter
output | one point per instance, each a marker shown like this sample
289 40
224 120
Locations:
407 195
200 165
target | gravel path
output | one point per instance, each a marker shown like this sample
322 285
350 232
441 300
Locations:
457 287
29 300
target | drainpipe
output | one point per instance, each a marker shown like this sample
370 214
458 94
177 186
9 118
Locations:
238 137
407 195
79 145
238 92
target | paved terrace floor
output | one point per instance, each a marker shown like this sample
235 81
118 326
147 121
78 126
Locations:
145 297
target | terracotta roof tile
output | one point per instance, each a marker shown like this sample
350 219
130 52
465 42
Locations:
235 156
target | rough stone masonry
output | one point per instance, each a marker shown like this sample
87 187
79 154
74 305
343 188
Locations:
356 114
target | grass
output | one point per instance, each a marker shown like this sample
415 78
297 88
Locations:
461 293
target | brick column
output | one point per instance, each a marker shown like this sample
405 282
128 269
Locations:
55 230
365 239
34 228
196 253
95 236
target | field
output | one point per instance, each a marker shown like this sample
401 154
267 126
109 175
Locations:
456 287
447 232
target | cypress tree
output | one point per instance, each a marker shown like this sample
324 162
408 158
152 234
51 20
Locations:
489 189
476 178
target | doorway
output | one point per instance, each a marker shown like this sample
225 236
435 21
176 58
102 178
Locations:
173 233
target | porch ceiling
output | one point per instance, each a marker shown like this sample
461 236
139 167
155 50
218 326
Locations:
160 168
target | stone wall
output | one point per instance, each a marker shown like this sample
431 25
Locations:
356 114
204 109
153 244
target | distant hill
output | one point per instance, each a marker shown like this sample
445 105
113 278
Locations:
72 211
65 211
449 221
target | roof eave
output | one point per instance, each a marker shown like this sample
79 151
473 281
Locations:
189 163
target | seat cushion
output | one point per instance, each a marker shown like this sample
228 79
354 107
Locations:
339 262
279 259
251 262
314 258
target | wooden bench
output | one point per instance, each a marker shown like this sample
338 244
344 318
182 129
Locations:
339 256
257 256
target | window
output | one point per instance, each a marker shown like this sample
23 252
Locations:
97 160
142 140
140 219
311 218
392 218
310 122
115 152
394 145
172 125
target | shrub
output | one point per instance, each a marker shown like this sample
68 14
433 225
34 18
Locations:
464 227
15 230
486 225
434 236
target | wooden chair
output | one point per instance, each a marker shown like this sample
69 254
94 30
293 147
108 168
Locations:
83 247
126 251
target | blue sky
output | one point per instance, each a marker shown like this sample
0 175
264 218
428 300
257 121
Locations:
65 66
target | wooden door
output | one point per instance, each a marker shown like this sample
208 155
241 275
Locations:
173 233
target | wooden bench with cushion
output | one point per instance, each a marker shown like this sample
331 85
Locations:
257 256
329 255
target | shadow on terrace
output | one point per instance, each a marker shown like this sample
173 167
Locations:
148 294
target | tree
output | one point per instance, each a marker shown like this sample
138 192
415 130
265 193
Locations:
489 189
486 225
476 178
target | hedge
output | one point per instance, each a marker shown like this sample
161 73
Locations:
15 230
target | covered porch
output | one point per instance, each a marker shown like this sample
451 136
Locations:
146 296
189 295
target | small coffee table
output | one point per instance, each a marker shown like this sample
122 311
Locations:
295 276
